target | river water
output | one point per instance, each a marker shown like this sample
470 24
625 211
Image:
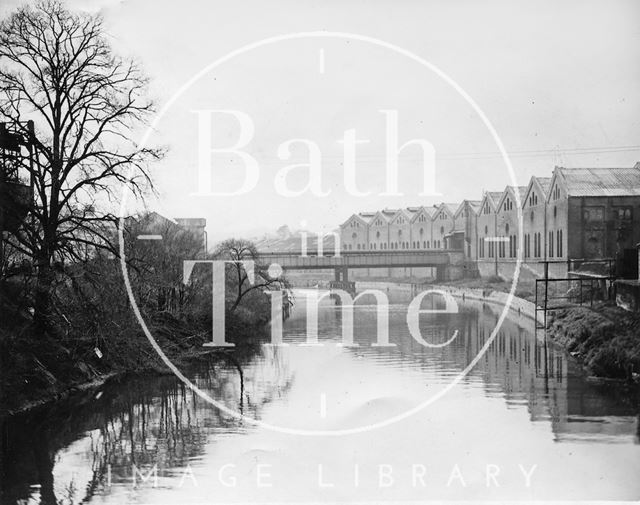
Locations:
402 422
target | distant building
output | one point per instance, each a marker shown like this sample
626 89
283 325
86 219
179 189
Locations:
421 227
486 230
400 229
443 224
197 226
354 233
154 223
576 214
594 213
534 219
379 232
466 222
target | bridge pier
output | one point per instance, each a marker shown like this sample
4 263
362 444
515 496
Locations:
341 274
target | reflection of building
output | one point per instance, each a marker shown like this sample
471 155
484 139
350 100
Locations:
517 366
578 213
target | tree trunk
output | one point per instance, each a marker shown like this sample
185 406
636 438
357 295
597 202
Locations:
42 299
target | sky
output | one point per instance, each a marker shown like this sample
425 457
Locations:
556 80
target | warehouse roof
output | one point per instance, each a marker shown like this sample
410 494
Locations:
545 184
601 181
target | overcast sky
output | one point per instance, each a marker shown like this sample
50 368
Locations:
559 81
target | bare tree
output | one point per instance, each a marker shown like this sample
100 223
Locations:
57 69
236 250
157 270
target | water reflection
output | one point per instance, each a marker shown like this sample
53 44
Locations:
147 433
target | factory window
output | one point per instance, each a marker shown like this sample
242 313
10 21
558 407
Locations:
622 213
561 245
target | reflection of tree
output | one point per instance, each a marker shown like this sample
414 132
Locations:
142 422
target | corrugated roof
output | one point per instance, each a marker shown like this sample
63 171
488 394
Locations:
452 207
495 195
406 213
601 181
367 216
545 183
473 204
519 190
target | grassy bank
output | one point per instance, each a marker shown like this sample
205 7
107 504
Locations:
605 338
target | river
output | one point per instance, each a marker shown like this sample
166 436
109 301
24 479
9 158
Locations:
338 423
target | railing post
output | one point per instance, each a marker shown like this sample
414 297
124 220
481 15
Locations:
581 291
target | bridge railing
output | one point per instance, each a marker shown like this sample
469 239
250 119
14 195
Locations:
331 254
367 259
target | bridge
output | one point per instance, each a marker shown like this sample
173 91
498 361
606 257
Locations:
443 260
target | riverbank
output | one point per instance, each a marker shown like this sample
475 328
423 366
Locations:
39 370
604 338
36 372
489 292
